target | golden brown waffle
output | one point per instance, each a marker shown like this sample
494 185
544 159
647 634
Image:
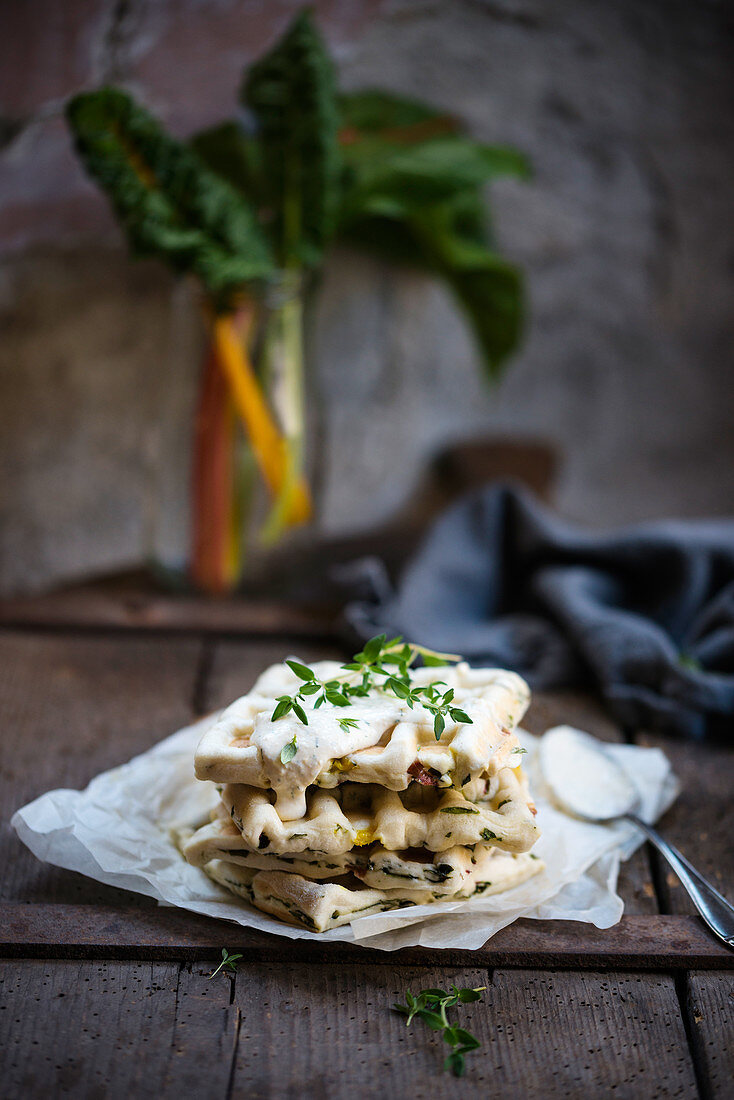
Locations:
391 745
319 906
357 815
442 873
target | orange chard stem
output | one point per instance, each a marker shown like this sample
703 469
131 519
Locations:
268 445
212 481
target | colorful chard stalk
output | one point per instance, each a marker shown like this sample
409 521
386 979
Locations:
250 211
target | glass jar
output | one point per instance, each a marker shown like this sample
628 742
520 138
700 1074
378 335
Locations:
228 448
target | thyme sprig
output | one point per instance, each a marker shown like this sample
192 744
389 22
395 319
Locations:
431 1005
384 665
229 962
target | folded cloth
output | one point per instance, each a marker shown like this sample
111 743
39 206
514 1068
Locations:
645 614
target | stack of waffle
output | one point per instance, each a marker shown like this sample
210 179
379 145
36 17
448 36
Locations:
370 814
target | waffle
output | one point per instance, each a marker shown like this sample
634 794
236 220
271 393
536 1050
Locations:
442 873
391 746
368 814
357 815
319 906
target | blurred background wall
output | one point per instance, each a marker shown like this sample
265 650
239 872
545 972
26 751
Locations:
626 235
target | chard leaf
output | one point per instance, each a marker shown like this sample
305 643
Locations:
168 202
399 181
292 94
234 155
392 116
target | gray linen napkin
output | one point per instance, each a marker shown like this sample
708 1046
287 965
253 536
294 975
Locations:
645 614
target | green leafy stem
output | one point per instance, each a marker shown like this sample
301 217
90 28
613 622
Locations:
431 1006
228 963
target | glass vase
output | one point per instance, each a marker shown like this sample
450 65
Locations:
230 494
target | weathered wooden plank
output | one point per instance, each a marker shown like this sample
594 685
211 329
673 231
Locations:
701 820
330 1032
114 1030
587 1035
134 606
70 708
153 1030
99 931
710 1008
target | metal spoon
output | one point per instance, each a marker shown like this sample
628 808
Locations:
587 782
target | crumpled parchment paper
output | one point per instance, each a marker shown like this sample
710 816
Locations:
118 832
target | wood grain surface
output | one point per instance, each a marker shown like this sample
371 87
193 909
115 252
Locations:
293 1030
107 931
103 995
709 1008
701 820
70 708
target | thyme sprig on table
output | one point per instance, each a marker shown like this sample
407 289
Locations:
384 665
431 1005
229 962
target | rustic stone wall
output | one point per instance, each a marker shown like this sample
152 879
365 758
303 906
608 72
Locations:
626 233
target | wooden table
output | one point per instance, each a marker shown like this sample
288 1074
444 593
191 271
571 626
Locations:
102 994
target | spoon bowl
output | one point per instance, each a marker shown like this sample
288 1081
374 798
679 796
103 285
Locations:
585 781
584 778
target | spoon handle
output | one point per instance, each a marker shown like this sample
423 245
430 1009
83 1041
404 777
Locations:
715 909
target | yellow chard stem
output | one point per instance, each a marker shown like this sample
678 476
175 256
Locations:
267 443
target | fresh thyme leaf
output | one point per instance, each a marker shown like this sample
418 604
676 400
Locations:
284 706
300 713
456 1063
398 687
289 750
466 996
519 750
433 1019
465 1038
458 810
382 666
373 648
346 724
303 672
229 962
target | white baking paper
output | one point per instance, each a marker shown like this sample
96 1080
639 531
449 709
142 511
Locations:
118 832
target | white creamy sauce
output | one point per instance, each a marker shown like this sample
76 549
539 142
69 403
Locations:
582 776
323 740
318 743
